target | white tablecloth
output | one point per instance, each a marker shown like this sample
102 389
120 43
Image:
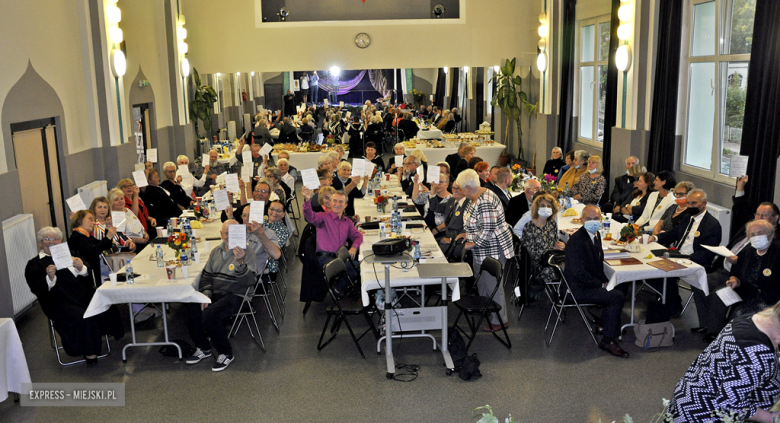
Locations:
153 286
13 364
430 134
304 160
488 154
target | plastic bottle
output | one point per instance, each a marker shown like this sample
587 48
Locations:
630 219
417 249
129 274
160 255
395 202
170 228
606 224
398 225
193 247
184 257
382 232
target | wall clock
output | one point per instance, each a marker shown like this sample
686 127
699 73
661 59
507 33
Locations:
362 40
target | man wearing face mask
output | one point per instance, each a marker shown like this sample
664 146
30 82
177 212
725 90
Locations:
721 270
755 276
584 272
695 230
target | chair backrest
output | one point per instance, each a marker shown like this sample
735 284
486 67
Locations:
343 254
333 270
493 267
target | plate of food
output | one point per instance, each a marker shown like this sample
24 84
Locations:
618 243
577 220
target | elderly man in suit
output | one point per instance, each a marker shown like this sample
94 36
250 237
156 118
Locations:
624 186
695 230
520 204
446 232
501 186
584 273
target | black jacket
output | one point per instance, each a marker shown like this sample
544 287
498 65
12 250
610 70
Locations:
516 208
177 193
410 128
502 196
160 205
709 234
553 166
621 193
584 262
288 135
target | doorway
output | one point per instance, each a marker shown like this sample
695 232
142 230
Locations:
37 162
142 131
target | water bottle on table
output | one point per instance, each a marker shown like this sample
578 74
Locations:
160 255
129 273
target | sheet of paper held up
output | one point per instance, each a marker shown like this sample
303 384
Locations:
236 236
399 161
221 199
151 155
738 166
246 158
719 250
358 167
184 171
118 220
266 149
341 104
246 174
140 179
433 174
76 203
256 211
231 183
206 160
369 169
728 296
310 179
60 253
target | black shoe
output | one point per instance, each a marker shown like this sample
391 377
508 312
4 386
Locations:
91 361
613 348
709 338
700 329
597 329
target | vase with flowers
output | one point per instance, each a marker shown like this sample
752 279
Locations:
381 203
629 235
178 241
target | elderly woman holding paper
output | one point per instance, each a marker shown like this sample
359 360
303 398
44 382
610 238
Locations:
344 181
81 240
172 184
64 295
274 175
136 205
133 227
104 220
184 176
755 277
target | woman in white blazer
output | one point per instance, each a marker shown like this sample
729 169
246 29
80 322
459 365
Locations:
660 200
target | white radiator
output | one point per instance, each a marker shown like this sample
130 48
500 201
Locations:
724 217
20 247
93 190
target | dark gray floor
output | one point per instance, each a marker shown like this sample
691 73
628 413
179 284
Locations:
571 380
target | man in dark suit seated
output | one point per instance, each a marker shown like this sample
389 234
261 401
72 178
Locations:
158 201
408 126
436 116
288 134
584 271
501 186
695 230
446 232
455 158
623 188
520 204
463 163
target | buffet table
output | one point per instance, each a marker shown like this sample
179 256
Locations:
489 153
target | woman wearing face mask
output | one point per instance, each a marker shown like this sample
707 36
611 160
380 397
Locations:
755 277
590 187
674 213
539 236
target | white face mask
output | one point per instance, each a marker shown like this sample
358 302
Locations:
592 171
545 212
760 242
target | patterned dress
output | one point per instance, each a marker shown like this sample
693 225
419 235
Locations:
538 241
738 372
590 189
282 233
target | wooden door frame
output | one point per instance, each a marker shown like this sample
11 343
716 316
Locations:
42 124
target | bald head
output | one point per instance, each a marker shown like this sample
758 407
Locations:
532 186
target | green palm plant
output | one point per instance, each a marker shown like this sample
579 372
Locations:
508 97
202 103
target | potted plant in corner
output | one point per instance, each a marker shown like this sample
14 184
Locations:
508 97
203 99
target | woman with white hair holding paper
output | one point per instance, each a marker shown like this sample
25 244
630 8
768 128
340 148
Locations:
188 181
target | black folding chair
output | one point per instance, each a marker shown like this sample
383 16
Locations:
57 347
343 307
477 305
562 298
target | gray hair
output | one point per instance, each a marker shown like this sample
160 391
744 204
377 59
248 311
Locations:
273 170
280 161
582 155
468 178
400 145
558 149
700 192
170 164
415 159
766 224
344 165
48 231
265 182
180 158
689 186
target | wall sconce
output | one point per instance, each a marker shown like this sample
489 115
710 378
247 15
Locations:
185 67
623 53
446 70
465 69
438 11
541 58
118 63
283 14
117 36
623 58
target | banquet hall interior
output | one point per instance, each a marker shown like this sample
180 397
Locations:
88 87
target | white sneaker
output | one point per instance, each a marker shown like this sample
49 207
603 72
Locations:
197 356
223 361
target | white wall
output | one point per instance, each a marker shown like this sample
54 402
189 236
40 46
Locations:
493 30
49 35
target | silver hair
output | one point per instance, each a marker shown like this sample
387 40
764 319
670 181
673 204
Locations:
181 157
323 160
582 155
401 145
273 170
344 165
766 224
468 179
700 192
48 231
558 149
415 159
170 164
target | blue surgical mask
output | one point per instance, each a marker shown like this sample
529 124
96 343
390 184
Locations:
592 226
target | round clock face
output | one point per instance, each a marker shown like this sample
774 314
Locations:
362 40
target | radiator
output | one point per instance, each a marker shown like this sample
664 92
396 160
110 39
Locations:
93 190
20 247
724 217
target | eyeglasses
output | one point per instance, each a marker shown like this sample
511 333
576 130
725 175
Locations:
680 194
50 239
764 215
262 191
276 210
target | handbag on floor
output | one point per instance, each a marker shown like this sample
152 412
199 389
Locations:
650 336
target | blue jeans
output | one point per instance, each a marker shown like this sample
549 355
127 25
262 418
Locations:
314 91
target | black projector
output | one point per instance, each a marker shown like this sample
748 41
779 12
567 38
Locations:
391 247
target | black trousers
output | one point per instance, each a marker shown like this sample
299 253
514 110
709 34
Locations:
613 306
207 323
710 309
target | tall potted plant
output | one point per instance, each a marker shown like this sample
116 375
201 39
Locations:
508 97
202 103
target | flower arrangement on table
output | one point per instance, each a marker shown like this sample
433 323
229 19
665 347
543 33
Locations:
381 202
330 140
518 178
200 212
418 97
548 182
629 233
178 241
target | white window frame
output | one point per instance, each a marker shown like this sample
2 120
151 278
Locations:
596 63
684 87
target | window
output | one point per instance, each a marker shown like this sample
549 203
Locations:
593 57
713 74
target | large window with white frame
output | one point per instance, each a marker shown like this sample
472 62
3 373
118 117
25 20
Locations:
592 65
713 75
